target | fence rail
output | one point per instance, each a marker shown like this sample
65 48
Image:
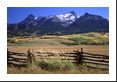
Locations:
87 59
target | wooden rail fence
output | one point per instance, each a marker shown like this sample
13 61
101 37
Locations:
78 57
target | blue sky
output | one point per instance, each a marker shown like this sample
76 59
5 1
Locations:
17 14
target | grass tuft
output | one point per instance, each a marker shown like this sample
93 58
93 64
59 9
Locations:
56 65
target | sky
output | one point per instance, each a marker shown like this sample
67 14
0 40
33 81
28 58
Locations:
17 14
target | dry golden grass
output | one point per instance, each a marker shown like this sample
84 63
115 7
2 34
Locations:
87 48
35 70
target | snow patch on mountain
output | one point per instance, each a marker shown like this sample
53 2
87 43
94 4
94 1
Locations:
66 18
36 18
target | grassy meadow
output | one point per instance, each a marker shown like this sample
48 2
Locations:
74 39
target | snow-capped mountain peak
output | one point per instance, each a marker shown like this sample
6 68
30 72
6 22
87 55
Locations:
36 18
66 18
70 16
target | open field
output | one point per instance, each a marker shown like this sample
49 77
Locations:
94 43
91 42
87 48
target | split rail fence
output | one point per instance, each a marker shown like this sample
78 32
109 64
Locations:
78 57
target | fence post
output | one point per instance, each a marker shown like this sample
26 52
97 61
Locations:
79 55
29 56
81 50
33 55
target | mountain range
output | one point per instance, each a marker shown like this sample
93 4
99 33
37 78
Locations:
66 23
